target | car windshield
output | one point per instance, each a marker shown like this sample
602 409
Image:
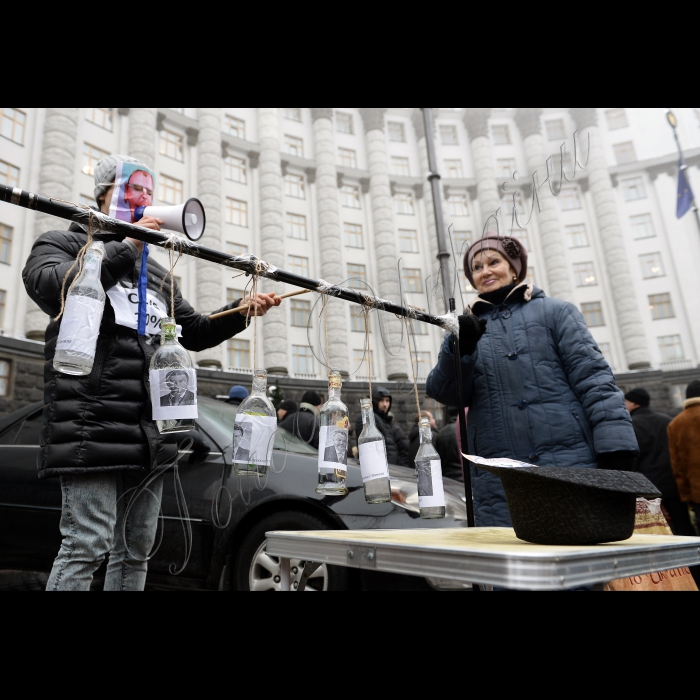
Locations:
222 416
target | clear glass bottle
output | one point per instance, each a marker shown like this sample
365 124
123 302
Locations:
373 461
254 431
82 316
171 355
431 494
333 441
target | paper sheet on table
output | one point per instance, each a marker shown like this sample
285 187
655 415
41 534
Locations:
503 462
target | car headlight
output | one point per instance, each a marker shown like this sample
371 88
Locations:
405 495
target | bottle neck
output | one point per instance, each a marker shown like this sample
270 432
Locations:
168 336
333 393
259 385
92 266
368 416
426 435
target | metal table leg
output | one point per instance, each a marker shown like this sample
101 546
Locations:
309 568
285 575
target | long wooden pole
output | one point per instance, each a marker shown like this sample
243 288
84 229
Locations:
238 309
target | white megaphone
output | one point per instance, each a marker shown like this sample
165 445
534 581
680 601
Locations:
187 218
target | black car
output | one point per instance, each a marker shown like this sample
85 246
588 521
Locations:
231 554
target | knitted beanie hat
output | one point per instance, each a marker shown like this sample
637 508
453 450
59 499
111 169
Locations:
639 396
693 390
508 246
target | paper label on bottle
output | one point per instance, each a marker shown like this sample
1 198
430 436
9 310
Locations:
173 393
125 302
373 461
253 439
80 325
431 493
333 449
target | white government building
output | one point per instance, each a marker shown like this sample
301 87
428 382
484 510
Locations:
341 194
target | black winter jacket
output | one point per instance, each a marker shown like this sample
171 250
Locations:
305 424
654 459
102 422
446 445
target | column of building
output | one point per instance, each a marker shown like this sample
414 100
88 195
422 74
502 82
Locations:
142 134
385 242
556 263
629 319
476 119
56 179
210 294
329 233
272 235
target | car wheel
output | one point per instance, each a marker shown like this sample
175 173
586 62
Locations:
255 570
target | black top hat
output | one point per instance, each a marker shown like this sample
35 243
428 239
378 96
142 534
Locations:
570 506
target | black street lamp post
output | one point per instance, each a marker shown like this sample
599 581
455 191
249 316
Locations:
674 125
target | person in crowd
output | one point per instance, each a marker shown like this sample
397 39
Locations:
98 433
306 422
286 408
237 394
414 436
394 437
654 459
446 445
684 444
538 388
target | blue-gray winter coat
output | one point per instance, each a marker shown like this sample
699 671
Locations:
539 391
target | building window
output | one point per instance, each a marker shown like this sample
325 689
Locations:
633 189
671 348
234 126
9 175
606 352
344 123
569 198
501 134
651 265
293 113
584 274
616 118
448 135
556 131
353 236
359 359
239 354
417 328
236 249
299 265
348 157
102 116
625 153
357 320
296 226
293 145
577 236
531 277
172 145
593 313
412 281
397 132
170 190
236 212
234 295
661 307
404 203
5 243
302 360
678 394
458 205
4 376
177 110
357 276
408 240
300 310
3 299
12 122
422 364
350 197
642 226
236 169
400 166
505 167
461 240
295 186
87 200
454 169
91 156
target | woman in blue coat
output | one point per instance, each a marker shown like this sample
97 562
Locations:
538 387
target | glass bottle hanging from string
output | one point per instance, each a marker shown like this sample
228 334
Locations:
173 382
254 430
373 462
333 441
82 316
431 494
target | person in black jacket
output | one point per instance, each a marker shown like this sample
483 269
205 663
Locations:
306 422
446 446
654 459
394 437
98 434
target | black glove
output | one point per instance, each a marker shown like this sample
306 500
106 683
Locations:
471 329
617 461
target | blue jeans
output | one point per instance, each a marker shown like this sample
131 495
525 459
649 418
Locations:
91 525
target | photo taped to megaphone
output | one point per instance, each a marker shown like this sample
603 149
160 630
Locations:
134 185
